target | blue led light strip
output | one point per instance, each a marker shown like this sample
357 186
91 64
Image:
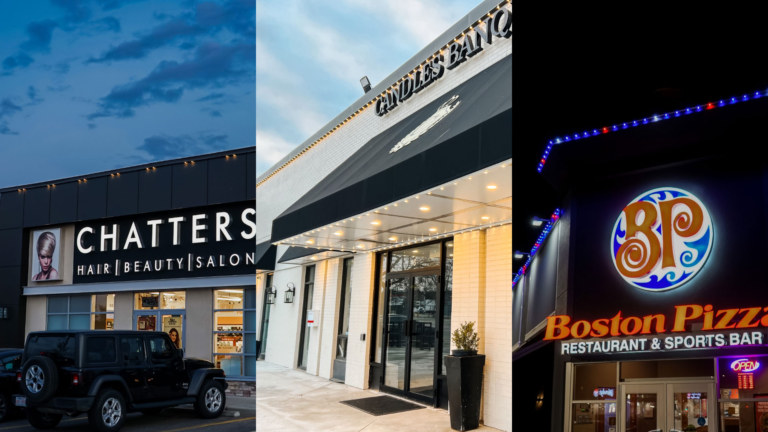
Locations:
544 233
652 119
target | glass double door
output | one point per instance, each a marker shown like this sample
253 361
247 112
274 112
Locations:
668 407
412 337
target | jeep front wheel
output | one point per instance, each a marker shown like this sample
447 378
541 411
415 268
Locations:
41 420
108 411
210 400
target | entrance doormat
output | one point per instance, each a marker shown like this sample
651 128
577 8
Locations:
381 405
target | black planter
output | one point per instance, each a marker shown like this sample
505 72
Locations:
465 386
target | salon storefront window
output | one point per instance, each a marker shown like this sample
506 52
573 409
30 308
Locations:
81 312
161 311
234 335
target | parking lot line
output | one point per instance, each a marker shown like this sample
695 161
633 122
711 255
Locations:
211 424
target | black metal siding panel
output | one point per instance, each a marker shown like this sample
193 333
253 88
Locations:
11 209
12 334
155 189
11 247
190 185
250 176
123 194
92 199
226 180
63 207
37 205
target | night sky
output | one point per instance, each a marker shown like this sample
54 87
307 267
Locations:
94 85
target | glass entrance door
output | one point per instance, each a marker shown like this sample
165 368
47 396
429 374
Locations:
411 336
667 407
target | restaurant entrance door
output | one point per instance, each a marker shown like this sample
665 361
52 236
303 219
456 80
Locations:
411 335
667 407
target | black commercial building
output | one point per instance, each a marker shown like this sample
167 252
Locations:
163 246
642 306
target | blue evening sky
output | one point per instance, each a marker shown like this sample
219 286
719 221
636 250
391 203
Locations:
310 56
94 85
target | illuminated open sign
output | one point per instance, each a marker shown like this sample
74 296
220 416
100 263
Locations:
745 365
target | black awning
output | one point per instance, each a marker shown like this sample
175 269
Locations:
294 252
463 131
265 256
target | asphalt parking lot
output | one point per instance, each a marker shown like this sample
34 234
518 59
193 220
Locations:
240 416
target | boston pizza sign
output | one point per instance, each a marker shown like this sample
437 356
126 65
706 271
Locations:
661 239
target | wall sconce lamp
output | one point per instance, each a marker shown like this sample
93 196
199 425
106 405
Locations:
537 221
289 293
520 255
540 400
271 294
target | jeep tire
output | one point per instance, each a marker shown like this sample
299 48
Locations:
39 379
42 420
211 399
108 411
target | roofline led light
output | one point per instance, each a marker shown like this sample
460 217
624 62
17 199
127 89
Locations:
543 236
647 120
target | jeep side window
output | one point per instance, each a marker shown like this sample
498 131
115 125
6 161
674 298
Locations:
11 363
132 349
100 349
160 348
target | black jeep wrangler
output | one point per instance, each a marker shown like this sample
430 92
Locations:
108 373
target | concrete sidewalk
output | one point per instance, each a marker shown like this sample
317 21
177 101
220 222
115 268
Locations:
291 400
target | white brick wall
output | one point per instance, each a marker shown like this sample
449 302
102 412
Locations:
497 385
325 349
360 315
482 292
284 330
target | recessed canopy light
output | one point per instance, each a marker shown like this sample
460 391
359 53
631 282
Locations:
360 246
377 223
392 239
485 218
433 230
424 208
310 241
491 187
338 233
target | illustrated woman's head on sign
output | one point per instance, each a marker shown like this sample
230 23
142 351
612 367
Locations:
47 256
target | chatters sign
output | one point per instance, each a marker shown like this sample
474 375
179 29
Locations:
497 24
207 242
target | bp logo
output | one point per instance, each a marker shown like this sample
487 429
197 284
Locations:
661 239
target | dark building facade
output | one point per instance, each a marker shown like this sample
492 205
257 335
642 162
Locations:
162 246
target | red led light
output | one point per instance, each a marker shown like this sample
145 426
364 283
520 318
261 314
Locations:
710 106
606 130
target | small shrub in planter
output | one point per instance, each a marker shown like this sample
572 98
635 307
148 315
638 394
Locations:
465 338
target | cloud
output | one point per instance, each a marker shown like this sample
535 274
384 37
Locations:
215 113
107 24
236 15
7 109
76 11
162 147
210 97
159 36
40 33
270 148
114 4
208 18
214 65
20 60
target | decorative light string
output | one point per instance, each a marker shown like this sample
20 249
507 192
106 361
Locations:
647 120
544 233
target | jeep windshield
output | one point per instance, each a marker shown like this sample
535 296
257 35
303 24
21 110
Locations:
59 347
